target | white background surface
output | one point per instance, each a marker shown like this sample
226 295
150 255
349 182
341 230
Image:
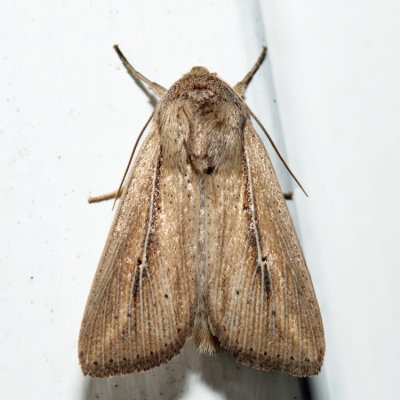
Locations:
69 116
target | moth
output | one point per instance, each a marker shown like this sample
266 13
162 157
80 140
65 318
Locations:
202 245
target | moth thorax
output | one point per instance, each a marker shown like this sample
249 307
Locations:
214 137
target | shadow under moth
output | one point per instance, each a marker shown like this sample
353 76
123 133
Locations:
202 245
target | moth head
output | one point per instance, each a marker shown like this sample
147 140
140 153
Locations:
198 70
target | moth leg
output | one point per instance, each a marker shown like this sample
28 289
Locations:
288 195
241 86
155 87
107 196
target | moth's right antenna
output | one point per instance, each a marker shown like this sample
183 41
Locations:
241 86
276 149
239 90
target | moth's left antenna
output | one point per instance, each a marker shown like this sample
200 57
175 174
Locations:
130 158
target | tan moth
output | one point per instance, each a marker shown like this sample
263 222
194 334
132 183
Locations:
202 245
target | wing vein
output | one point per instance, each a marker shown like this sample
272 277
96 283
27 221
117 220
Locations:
116 321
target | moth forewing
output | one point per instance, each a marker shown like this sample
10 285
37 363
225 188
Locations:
261 300
202 243
142 303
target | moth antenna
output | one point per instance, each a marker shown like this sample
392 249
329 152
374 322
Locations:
155 87
239 90
117 194
241 86
276 149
